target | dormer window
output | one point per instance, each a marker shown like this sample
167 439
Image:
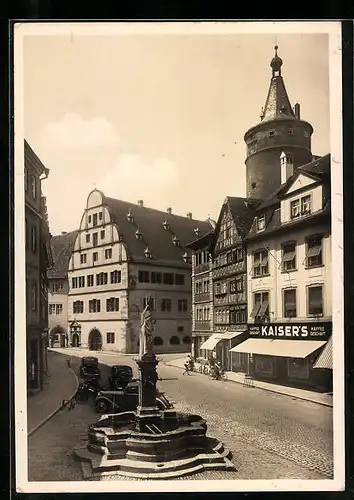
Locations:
196 231
166 225
301 206
271 133
261 222
176 241
147 253
130 217
306 205
186 258
290 131
138 234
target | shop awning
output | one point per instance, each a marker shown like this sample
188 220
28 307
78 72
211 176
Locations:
276 347
325 359
214 339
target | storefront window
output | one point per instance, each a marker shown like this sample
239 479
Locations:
237 361
298 369
264 364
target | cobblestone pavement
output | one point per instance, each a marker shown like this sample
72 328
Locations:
271 436
50 454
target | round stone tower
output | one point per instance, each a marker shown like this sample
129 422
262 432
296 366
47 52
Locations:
280 130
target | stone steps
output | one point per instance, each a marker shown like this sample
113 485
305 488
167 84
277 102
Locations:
217 460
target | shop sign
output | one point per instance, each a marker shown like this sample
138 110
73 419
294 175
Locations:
306 331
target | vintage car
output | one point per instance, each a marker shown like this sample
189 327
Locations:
119 377
89 368
126 400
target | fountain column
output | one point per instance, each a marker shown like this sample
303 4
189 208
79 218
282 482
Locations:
147 412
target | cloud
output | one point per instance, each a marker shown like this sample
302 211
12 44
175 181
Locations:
73 132
133 178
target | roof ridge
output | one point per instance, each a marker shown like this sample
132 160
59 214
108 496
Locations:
107 198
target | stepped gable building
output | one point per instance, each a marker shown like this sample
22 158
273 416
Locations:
280 130
61 246
38 261
124 251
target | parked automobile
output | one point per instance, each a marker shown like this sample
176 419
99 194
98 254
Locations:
119 377
126 400
89 368
88 388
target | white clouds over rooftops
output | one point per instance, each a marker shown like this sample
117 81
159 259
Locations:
133 178
73 132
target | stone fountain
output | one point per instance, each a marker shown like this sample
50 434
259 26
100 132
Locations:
150 443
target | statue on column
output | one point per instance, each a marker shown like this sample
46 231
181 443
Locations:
146 328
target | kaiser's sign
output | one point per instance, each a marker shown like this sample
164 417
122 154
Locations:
294 331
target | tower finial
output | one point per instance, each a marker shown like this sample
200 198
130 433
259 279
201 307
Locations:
276 63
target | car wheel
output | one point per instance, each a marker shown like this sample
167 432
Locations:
101 407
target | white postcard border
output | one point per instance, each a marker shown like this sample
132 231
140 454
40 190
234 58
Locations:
333 29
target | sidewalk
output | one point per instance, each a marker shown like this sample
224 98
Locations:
59 385
314 397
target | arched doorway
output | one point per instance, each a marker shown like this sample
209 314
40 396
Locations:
75 340
58 337
95 340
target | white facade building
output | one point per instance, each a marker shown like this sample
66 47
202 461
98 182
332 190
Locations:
122 253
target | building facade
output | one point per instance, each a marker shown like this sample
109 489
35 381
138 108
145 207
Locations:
271 255
38 260
58 289
290 280
202 293
122 253
230 281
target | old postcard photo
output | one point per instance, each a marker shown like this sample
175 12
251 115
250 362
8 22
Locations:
178 257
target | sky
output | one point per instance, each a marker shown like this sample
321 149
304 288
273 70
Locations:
159 117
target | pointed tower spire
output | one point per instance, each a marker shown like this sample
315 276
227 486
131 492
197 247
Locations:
277 103
279 130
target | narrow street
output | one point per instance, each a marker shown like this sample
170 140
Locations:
270 435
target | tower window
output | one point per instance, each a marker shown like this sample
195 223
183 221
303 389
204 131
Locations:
306 134
271 133
254 184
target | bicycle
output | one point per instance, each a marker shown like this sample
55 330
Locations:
204 369
218 375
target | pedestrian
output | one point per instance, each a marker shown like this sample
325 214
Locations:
187 365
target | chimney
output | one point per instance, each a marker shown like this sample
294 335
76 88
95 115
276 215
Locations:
189 215
140 203
297 110
286 167
64 232
169 210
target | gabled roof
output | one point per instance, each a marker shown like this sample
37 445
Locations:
153 235
275 223
32 158
62 247
319 169
242 210
203 241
